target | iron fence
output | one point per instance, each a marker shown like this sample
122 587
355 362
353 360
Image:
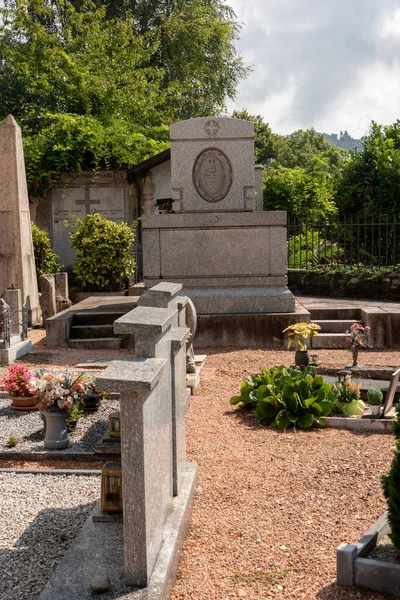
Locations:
5 334
372 240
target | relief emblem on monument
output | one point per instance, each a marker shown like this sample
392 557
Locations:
211 127
212 174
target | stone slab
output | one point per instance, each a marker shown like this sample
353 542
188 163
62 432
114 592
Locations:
234 281
270 218
364 424
144 319
103 543
120 375
8 355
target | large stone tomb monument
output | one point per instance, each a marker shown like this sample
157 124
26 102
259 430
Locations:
230 258
17 263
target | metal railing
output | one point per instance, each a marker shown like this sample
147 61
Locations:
5 333
372 240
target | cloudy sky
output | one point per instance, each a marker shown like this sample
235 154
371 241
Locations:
328 64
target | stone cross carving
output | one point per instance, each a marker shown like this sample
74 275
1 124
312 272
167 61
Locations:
87 202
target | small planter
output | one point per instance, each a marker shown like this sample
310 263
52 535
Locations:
56 436
375 410
302 358
23 403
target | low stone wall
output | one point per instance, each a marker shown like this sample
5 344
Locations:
343 285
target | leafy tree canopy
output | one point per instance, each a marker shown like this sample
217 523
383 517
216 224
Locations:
371 179
89 84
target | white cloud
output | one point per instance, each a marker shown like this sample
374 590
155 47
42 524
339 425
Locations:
328 64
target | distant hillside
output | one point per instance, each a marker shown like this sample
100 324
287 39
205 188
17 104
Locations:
343 140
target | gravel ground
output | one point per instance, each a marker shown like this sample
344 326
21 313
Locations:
272 507
28 426
39 518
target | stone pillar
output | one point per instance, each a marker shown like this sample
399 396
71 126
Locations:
147 195
62 291
13 299
48 296
17 263
153 391
259 188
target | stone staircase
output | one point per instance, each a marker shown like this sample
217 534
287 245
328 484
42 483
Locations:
94 330
333 322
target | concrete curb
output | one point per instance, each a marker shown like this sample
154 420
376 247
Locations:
86 472
56 455
354 569
360 424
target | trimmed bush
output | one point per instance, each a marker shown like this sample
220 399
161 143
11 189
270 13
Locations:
104 250
46 260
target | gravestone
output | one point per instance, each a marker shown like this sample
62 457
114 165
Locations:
230 258
17 263
74 196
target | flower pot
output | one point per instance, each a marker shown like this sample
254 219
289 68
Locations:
56 437
375 410
23 402
302 358
354 352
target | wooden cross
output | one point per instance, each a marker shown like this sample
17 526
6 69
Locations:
87 201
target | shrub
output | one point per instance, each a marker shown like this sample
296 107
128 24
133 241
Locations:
46 260
13 440
391 487
374 396
286 396
104 250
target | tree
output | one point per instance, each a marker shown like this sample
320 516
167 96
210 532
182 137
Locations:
371 180
300 147
86 87
265 142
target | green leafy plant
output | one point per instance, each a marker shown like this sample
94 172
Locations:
286 397
104 251
346 398
299 332
46 260
374 396
13 440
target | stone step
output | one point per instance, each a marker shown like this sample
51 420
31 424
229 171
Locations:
336 313
107 343
335 326
97 317
91 331
329 340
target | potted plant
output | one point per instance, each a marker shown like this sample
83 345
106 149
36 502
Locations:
57 394
298 334
374 398
346 397
16 383
357 336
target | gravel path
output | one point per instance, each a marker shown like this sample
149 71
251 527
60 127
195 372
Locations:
39 518
28 426
272 507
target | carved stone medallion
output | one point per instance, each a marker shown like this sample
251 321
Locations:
211 127
212 174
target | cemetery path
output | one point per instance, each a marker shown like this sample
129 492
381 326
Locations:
271 507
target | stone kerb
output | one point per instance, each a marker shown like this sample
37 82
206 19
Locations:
152 394
212 165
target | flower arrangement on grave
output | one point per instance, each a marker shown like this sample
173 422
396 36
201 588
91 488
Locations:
298 333
60 391
16 383
357 336
346 397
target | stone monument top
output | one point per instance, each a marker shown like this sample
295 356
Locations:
212 165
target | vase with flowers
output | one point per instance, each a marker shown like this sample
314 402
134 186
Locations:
57 394
357 337
298 334
16 383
